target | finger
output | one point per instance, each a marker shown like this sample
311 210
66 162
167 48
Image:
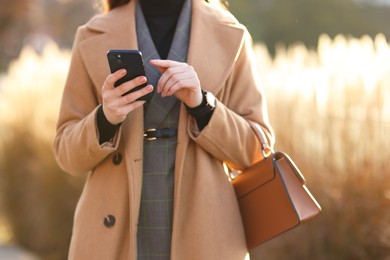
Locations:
131 106
181 79
114 77
129 85
172 74
163 65
167 63
178 86
176 82
133 96
161 69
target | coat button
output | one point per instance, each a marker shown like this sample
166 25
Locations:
109 221
117 159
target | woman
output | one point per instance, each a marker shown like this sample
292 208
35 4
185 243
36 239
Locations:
161 193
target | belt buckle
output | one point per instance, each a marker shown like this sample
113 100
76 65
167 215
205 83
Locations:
146 134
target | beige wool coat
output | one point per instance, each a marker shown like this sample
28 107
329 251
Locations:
206 219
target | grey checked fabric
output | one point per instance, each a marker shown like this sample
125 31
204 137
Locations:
156 209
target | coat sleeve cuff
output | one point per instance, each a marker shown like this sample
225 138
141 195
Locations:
106 130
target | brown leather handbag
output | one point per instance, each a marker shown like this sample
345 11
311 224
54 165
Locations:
272 196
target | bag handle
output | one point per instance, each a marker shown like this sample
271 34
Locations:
266 150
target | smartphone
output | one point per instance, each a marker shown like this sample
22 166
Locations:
132 61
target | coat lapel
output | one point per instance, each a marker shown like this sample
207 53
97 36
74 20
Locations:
214 44
212 52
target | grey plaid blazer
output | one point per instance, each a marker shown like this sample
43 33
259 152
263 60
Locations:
156 208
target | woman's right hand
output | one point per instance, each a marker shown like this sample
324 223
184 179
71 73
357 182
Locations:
115 106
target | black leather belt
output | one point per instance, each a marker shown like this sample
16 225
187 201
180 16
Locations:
153 134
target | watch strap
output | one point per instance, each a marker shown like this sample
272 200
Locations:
203 109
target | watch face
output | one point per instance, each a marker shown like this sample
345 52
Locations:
210 99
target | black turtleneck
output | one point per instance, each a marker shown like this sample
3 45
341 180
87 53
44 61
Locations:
161 17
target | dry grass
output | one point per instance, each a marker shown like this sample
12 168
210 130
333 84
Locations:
331 112
37 198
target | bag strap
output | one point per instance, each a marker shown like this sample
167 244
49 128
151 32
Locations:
266 150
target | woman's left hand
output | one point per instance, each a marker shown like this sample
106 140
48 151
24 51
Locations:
179 79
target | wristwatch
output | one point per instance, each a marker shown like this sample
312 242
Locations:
206 107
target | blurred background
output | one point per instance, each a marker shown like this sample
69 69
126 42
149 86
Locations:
325 68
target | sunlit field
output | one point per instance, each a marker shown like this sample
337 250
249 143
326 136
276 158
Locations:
330 109
331 112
